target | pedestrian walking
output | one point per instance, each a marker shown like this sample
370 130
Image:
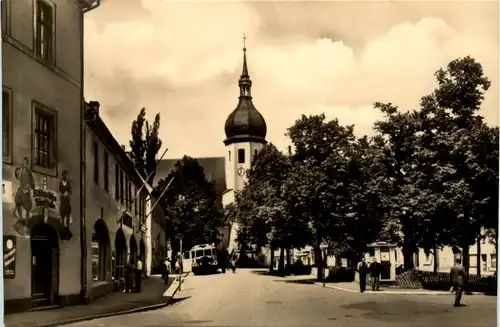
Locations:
166 269
138 275
375 270
362 270
233 263
223 260
458 277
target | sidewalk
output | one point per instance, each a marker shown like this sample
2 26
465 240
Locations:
354 288
115 303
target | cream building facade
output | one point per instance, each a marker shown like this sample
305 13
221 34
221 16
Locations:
42 96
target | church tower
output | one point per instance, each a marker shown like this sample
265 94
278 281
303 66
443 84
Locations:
245 134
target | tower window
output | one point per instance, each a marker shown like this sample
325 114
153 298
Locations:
255 153
229 155
241 156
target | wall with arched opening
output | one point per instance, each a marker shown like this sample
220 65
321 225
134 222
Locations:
120 254
101 252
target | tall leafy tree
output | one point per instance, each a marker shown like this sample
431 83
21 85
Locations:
316 187
190 205
399 131
367 189
145 145
465 154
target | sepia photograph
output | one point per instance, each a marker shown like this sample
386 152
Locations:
250 163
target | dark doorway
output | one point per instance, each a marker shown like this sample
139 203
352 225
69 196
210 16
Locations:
133 249
45 264
101 251
121 254
385 262
142 254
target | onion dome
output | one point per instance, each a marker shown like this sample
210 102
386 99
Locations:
245 123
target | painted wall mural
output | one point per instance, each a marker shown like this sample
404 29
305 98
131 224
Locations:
33 204
65 200
23 199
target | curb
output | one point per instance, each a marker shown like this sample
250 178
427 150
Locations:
168 300
390 292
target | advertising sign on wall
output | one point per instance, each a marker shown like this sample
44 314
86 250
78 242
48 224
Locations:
9 256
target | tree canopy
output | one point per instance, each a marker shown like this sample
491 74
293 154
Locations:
192 211
427 178
145 145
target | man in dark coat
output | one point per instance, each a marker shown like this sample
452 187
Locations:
129 277
223 260
375 269
362 270
458 277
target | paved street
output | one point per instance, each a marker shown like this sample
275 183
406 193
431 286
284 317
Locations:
248 298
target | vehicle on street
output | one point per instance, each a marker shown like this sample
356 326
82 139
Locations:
203 259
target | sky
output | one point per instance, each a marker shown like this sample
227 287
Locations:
182 59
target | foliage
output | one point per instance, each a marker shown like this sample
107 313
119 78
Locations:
427 178
462 156
145 145
190 204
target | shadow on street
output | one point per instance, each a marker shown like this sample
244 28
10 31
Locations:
397 310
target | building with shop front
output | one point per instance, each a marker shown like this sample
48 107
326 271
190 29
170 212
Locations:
42 91
115 208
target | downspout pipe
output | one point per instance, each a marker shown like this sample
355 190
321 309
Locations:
83 226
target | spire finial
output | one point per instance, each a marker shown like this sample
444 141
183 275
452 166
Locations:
244 42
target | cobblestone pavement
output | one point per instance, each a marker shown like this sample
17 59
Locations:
249 298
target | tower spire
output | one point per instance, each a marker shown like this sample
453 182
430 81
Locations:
245 69
245 83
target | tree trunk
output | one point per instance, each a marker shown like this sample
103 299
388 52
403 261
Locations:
271 265
478 257
465 258
288 257
436 259
318 258
408 252
281 265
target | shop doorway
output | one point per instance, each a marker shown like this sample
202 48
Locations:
101 251
45 265
121 254
133 249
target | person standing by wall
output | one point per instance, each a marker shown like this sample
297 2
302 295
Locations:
362 270
375 270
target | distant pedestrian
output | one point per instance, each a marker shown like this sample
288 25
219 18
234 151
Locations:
166 269
362 270
458 277
223 260
233 263
375 270
138 275
129 278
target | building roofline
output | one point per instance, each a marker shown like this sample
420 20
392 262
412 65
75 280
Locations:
97 126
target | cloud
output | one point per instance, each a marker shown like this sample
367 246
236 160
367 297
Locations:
184 59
